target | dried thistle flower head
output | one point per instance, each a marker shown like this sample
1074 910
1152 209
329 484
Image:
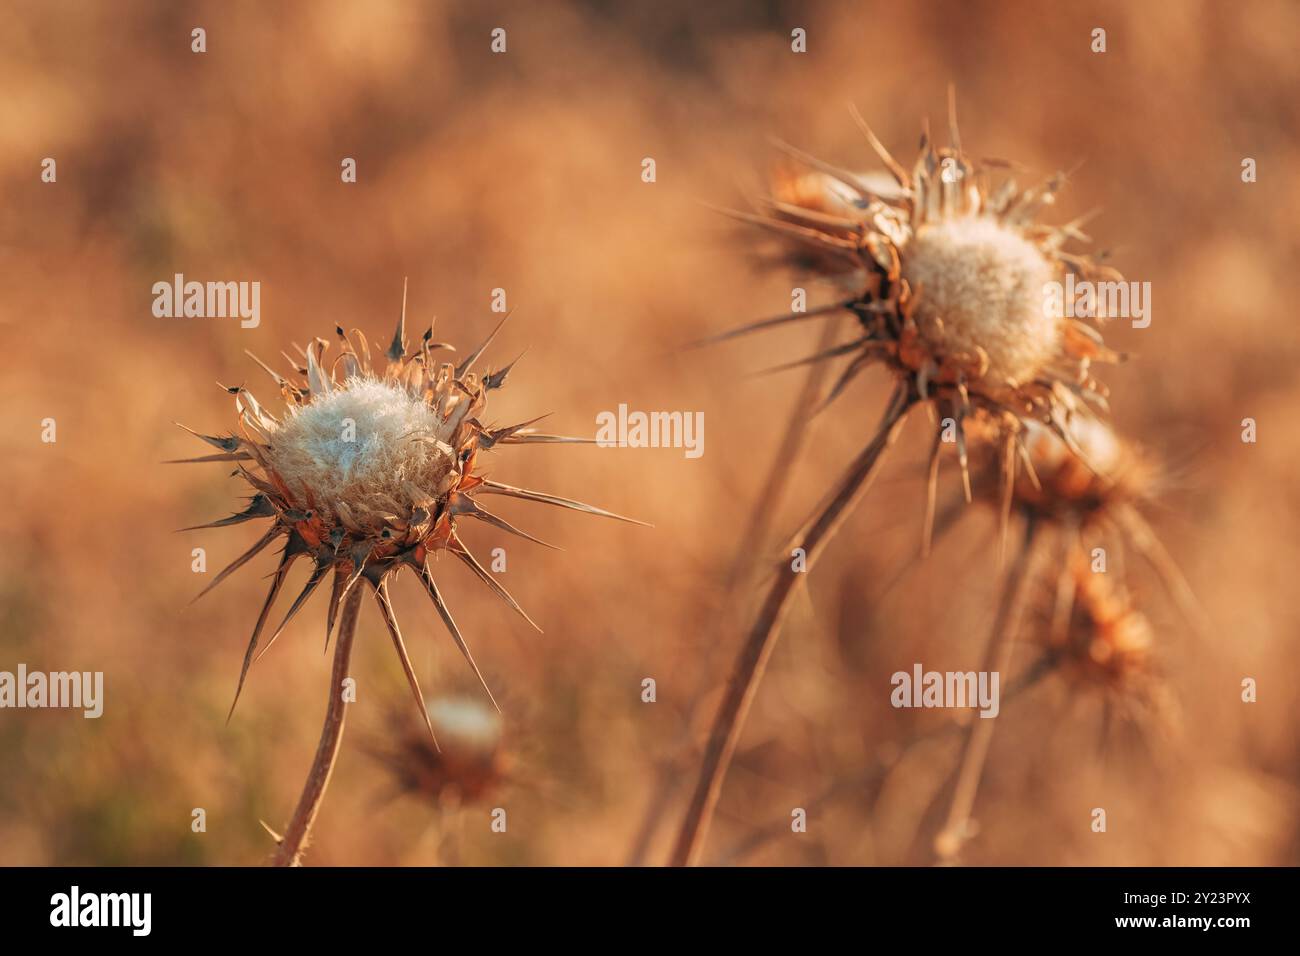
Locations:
368 472
1104 476
1093 489
1108 641
1106 644
472 763
952 275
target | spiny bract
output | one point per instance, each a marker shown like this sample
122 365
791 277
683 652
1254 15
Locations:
367 473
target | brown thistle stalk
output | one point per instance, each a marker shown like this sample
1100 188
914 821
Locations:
757 531
758 645
294 840
997 658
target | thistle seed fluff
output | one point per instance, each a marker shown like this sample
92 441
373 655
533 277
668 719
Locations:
362 443
984 282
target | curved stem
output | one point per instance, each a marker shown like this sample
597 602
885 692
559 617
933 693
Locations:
756 650
757 531
997 657
331 736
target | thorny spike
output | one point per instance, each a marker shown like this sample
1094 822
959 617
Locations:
286 561
230 444
960 419
203 459
1063 606
1061 430
769 323
491 437
336 596
812 217
293 363
398 348
317 573
276 376
360 553
954 137
844 176
1030 472
390 619
498 378
470 359
461 504
497 488
431 586
240 561
259 507
931 494
848 375
1151 548
428 345
895 168
459 549
536 438
274 836
1008 487
819 357
840 247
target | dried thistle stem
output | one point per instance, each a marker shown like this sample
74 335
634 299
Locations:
331 736
757 530
997 657
757 648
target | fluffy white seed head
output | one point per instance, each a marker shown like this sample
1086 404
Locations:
368 444
984 281
465 722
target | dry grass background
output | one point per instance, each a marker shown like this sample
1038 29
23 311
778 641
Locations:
522 171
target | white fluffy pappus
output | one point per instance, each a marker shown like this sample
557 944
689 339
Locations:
984 281
361 443
466 722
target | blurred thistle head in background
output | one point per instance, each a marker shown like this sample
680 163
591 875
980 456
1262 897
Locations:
1090 494
471 763
1094 636
1090 503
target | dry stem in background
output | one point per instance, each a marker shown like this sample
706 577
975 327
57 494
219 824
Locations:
757 648
997 657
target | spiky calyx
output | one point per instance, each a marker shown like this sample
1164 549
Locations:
369 472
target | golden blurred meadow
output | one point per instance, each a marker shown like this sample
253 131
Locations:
522 171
